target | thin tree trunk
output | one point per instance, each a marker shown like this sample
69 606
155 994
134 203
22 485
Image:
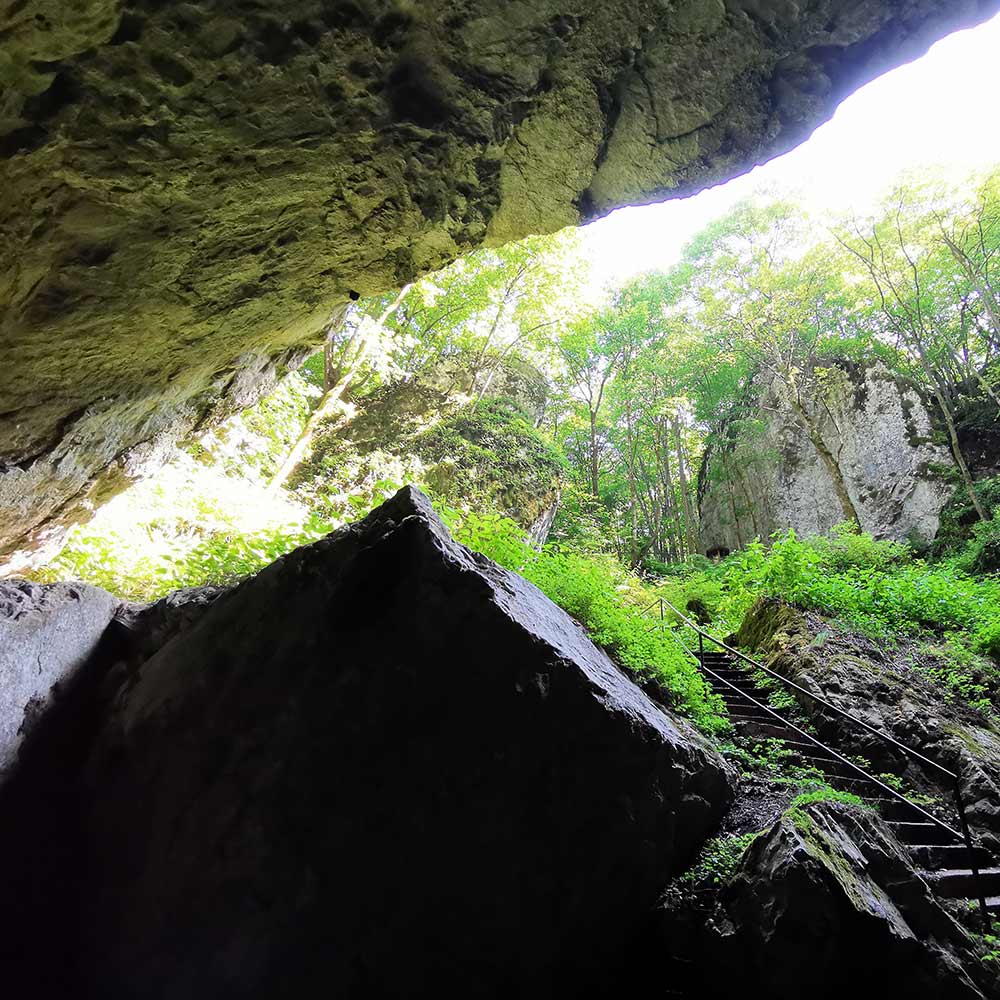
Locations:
689 525
594 457
329 401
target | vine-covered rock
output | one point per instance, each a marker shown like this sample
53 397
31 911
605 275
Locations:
468 436
191 189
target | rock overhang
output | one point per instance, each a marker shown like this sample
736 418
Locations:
192 189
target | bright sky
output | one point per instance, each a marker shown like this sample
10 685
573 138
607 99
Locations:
938 111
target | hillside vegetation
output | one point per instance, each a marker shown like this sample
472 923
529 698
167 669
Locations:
523 404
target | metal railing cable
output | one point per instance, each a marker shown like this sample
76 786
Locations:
964 835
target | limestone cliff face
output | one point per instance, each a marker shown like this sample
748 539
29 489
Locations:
189 189
878 430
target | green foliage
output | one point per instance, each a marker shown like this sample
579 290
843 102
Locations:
959 524
252 444
225 558
827 795
982 552
488 456
878 588
313 371
718 860
178 537
591 590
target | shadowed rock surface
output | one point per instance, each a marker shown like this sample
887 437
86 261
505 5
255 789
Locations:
192 189
827 904
381 767
47 635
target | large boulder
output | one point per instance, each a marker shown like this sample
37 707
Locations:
48 634
827 903
381 767
192 189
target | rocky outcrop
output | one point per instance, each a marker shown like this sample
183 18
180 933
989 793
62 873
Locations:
48 635
823 904
770 476
465 429
190 189
881 686
383 766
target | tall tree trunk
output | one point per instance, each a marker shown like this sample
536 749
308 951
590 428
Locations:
727 469
689 523
594 458
940 393
669 497
956 451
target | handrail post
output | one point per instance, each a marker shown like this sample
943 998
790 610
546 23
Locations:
661 609
973 864
701 649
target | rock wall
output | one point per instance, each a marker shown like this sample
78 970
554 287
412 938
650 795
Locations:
190 189
880 431
48 635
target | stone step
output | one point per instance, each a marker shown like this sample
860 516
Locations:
947 856
920 832
961 883
993 904
752 714
863 787
828 764
759 729
893 809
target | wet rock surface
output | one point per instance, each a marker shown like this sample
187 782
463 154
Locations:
192 189
826 902
383 766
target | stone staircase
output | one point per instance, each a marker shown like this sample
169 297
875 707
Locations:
942 859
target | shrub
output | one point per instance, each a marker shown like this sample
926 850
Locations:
596 591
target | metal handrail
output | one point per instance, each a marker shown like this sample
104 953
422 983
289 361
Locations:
965 835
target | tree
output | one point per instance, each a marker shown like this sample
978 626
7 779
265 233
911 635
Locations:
910 268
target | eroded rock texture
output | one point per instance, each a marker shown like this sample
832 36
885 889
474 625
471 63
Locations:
191 189
382 767
878 430
825 903
47 635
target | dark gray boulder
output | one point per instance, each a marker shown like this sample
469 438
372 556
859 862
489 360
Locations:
825 904
382 767
48 632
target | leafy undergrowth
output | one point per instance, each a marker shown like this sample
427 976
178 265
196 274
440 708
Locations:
599 594
718 860
879 588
